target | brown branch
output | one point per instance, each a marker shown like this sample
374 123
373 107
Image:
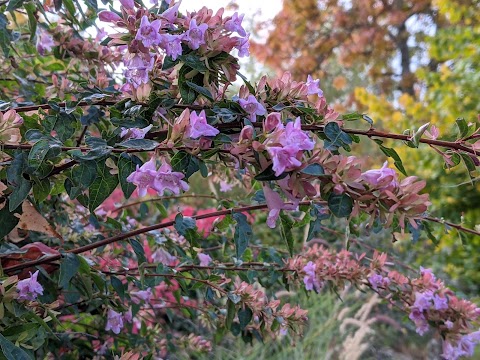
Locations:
453 225
133 233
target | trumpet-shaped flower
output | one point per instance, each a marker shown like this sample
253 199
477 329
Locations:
114 321
198 126
148 32
29 289
195 35
165 179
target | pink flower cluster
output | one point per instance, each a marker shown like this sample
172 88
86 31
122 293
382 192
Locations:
152 37
426 299
147 176
267 311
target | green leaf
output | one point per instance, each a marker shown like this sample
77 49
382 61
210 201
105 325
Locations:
63 124
139 250
185 163
188 94
244 316
8 221
12 352
230 314
19 193
462 127
68 268
338 138
102 186
118 286
286 227
193 61
14 4
94 154
141 144
41 189
126 165
32 20
313 169
39 152
268 174
243 234
200 90
5 35
340 205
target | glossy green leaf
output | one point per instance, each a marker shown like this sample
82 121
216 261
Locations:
68 268
340 205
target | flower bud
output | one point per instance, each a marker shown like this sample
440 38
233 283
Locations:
109 16
272 121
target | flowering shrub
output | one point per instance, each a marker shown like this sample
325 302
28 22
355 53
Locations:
96 170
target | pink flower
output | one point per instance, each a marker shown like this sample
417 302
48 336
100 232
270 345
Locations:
163 257
137 70
295 136
310 279
384 178
171 13
44 42
148 32
313 86
127 4
198 126
272 121
172 44
195 35
145 295
29 289
423 301
205 259
128 317
165 179
377 280
235 24
225 186
252 107
108 16
135 133
243 46
144 177
114 321
284 158
440 303
275 205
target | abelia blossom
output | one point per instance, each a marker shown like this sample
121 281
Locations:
135 133
128 4
166 179
137 70
284 158
313 86
195 35
114 321
171 14
205 259
172 44
252 107
377 280
10 121
148 33
384 178
44 42
295 136
225 186
310 279
235 24
144 177
198 126
109 16
275 205
243 46
144 295
162 256
29 289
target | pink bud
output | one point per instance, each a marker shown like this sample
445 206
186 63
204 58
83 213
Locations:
272 121
246 134
127 4
108 16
